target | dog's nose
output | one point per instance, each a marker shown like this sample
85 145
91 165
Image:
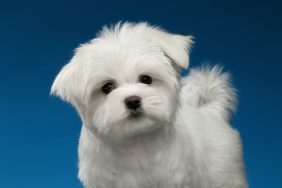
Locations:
133 102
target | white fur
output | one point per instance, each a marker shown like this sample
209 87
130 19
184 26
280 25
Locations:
211 89
183 139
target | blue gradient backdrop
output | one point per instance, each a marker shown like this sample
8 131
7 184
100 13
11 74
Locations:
39 134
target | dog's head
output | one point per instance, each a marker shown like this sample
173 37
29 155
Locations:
125 82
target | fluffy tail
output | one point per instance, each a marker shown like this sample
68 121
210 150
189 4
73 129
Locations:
211 89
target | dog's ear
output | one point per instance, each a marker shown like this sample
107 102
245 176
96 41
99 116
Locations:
177 48
70 83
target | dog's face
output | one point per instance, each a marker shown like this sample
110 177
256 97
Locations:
125 82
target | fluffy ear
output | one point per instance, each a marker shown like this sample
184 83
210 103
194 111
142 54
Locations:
177 48
69 83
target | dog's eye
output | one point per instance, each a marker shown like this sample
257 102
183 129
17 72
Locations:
145 79
108 87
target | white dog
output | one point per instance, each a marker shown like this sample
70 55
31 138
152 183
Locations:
144 126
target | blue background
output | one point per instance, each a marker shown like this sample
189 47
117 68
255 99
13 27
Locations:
39 134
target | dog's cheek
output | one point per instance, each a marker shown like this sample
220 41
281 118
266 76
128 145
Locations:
156 105
98 120
170 103
113 109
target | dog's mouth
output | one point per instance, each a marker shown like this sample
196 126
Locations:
135 114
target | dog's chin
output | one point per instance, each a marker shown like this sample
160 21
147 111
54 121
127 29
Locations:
132 126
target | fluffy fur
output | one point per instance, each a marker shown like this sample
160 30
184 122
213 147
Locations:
182 139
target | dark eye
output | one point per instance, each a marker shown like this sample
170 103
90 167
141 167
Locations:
145 79
108 87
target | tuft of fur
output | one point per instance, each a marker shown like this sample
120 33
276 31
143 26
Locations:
211 89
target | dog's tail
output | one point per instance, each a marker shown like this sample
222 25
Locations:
210 89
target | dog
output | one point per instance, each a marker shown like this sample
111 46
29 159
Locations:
144 126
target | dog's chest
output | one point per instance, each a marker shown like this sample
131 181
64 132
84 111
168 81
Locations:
137 168
159 174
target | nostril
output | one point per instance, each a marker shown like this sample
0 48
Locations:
133 102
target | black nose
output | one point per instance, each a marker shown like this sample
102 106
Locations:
133 102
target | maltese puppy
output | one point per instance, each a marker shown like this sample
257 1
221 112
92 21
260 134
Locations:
143 125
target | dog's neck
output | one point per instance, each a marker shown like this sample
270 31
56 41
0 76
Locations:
152 148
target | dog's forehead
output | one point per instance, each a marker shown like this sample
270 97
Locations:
128 59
